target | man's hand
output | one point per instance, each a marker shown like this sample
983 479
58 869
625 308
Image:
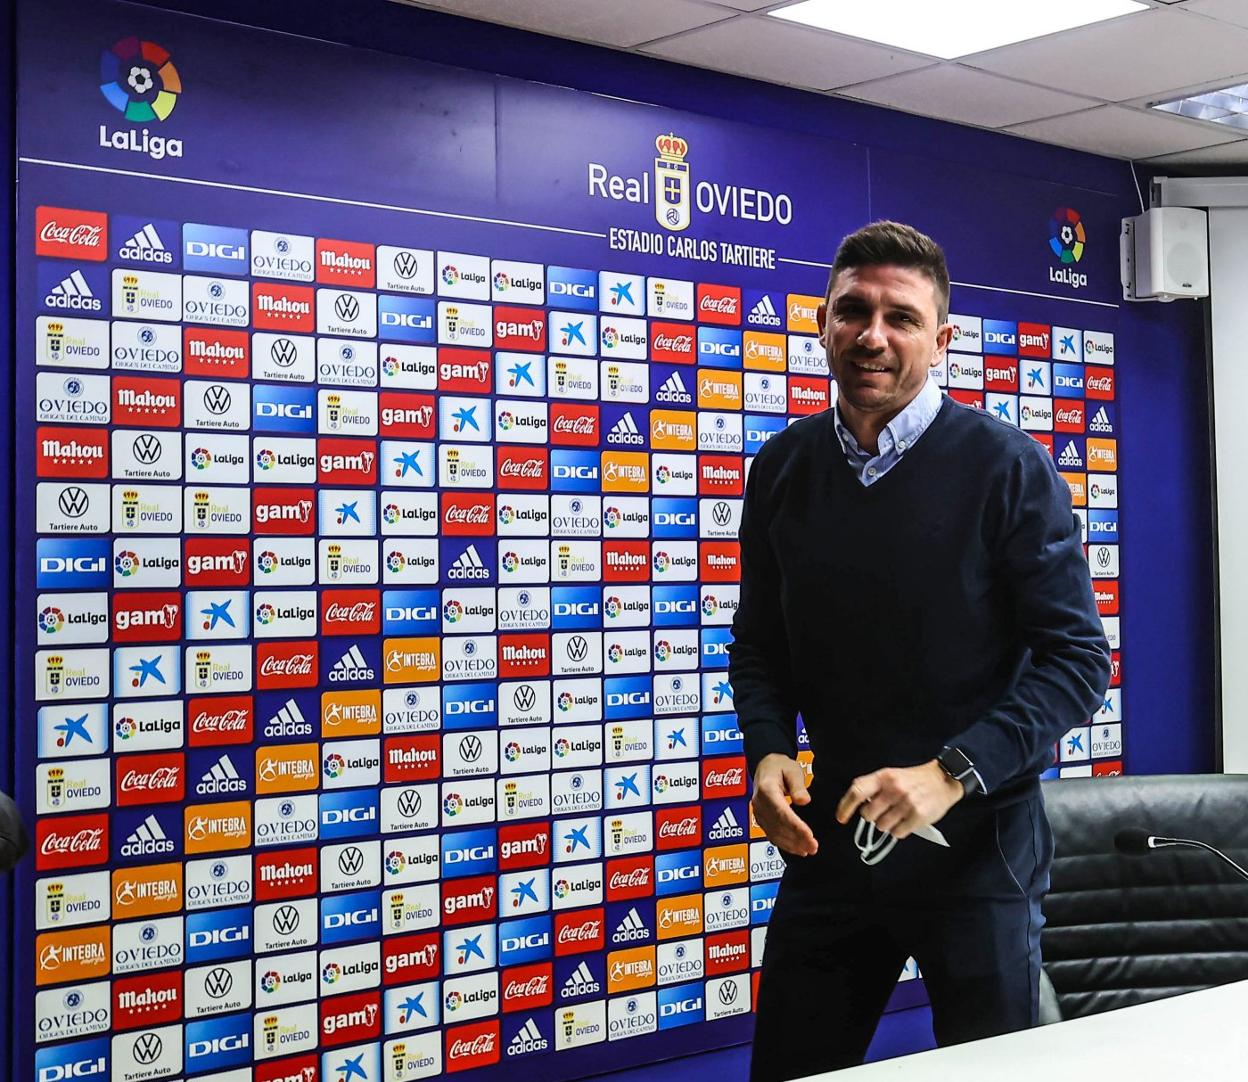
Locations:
779 776
899 800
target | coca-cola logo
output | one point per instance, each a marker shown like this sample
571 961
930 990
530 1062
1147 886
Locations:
80 235
478 513
480 1045
732 776
726 304
162 777
679 828
580 933
87 840
581 426
295 665
682 343
534 986
638 877
528 467
228 721
358 613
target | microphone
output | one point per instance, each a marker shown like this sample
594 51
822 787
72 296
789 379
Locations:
1136 842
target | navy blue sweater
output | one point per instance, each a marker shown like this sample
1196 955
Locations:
947 603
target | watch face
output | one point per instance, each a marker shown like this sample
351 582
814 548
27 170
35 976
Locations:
955 762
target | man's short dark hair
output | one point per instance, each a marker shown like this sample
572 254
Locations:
898 245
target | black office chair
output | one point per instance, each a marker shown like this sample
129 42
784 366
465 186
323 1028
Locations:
1121 930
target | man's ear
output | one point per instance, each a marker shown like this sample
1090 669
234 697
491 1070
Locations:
944 335
821 317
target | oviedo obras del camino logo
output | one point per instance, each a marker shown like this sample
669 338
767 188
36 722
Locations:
139 80
1067 239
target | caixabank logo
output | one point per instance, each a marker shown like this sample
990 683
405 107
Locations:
1067 240
139 80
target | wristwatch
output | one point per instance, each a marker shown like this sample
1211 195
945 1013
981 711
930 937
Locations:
957 764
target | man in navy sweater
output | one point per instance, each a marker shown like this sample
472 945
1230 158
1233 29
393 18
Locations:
914 586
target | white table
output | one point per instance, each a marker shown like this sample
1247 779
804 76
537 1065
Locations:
1201 1035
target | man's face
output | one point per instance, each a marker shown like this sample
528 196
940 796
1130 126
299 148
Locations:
883 334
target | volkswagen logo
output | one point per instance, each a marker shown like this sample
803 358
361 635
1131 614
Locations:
347 307
147 448
470 749
409 802
73 501
351 860
406 265
286 919
283 352
728 993
217 399
721 513
1102 557
148 1047
578 648
524 697
219 982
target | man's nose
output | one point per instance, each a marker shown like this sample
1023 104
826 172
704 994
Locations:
872 336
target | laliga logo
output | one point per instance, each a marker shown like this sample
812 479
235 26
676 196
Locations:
138 79
1067 239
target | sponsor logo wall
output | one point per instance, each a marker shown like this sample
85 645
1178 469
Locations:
374 628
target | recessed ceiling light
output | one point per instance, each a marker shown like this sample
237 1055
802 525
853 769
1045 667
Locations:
952 28
1228 106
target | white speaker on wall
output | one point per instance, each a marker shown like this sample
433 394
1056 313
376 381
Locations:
1165 254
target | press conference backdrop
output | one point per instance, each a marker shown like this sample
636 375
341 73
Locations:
381 436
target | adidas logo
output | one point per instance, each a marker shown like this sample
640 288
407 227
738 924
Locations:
1100 422
529 1039
221 777
146 247
148 839
673 390
351 666
468 566
1070 456
288 721
625 431
631 928
763 314
726 826
73 293
580 983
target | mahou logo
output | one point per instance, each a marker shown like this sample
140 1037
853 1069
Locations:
71 841
286 664
808 395
523 468
626 561
345 263
351 612
466 515
282 308
523 656
574 425
216 353
720 475
71 234
719 304
147 402
150 779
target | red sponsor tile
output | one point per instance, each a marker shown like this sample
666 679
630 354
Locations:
409 958
220 719
721 475
150 779
523 845
519 329
464 371
475 1045
350 1019
147 617
1098 383
580 932
282 308
405 415
527 987
626 561
346 263
1001 374
411 758
283 511
1035 340
71 452
719 304
728 952
67 233
672 343
467 514
213 352
677 828
150 999
630 877
147 402
470 900
216 561
522 468
720 561
71 841
1069 415
286 664
974 399
351 612
346 461
290 873
574 424
523 656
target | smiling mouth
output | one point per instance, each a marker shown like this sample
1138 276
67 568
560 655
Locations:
864 366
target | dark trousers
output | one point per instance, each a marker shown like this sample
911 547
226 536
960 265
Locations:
841 931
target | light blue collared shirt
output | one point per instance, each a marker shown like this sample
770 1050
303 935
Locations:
899 435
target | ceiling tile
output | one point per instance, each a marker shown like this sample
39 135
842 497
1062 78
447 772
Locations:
1121 133
764 48
966 96
754 5
1229 11
621 25
1131 57
1226 154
